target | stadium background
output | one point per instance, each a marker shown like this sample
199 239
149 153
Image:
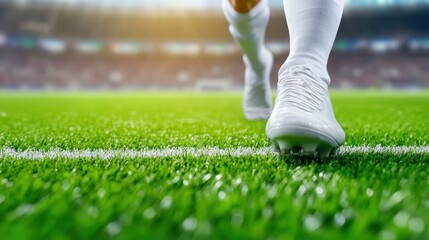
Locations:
105 44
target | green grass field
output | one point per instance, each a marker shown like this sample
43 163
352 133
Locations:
357 195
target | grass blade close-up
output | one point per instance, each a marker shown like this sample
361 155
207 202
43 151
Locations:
188 165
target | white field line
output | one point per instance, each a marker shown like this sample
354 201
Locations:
189 152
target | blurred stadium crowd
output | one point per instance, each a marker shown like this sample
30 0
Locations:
73 48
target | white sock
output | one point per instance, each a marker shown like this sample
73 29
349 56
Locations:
313 26
249 32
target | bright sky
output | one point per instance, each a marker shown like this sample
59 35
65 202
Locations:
189 4
274 3
199 4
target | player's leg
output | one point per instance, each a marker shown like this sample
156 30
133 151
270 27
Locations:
303 118
248 20
244 6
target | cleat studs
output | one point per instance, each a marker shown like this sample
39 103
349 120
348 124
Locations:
301 147
284 147
309 150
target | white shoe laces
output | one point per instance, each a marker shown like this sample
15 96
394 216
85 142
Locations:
301 88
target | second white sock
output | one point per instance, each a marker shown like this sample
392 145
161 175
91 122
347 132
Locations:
313 26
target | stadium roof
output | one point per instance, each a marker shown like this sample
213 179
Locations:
199 4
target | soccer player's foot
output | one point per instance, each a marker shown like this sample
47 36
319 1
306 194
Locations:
303 121
257 99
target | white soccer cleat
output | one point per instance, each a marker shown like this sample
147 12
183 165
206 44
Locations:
303 121
257 98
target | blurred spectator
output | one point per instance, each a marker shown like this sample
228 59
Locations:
39 70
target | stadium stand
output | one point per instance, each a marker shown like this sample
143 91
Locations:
87 48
